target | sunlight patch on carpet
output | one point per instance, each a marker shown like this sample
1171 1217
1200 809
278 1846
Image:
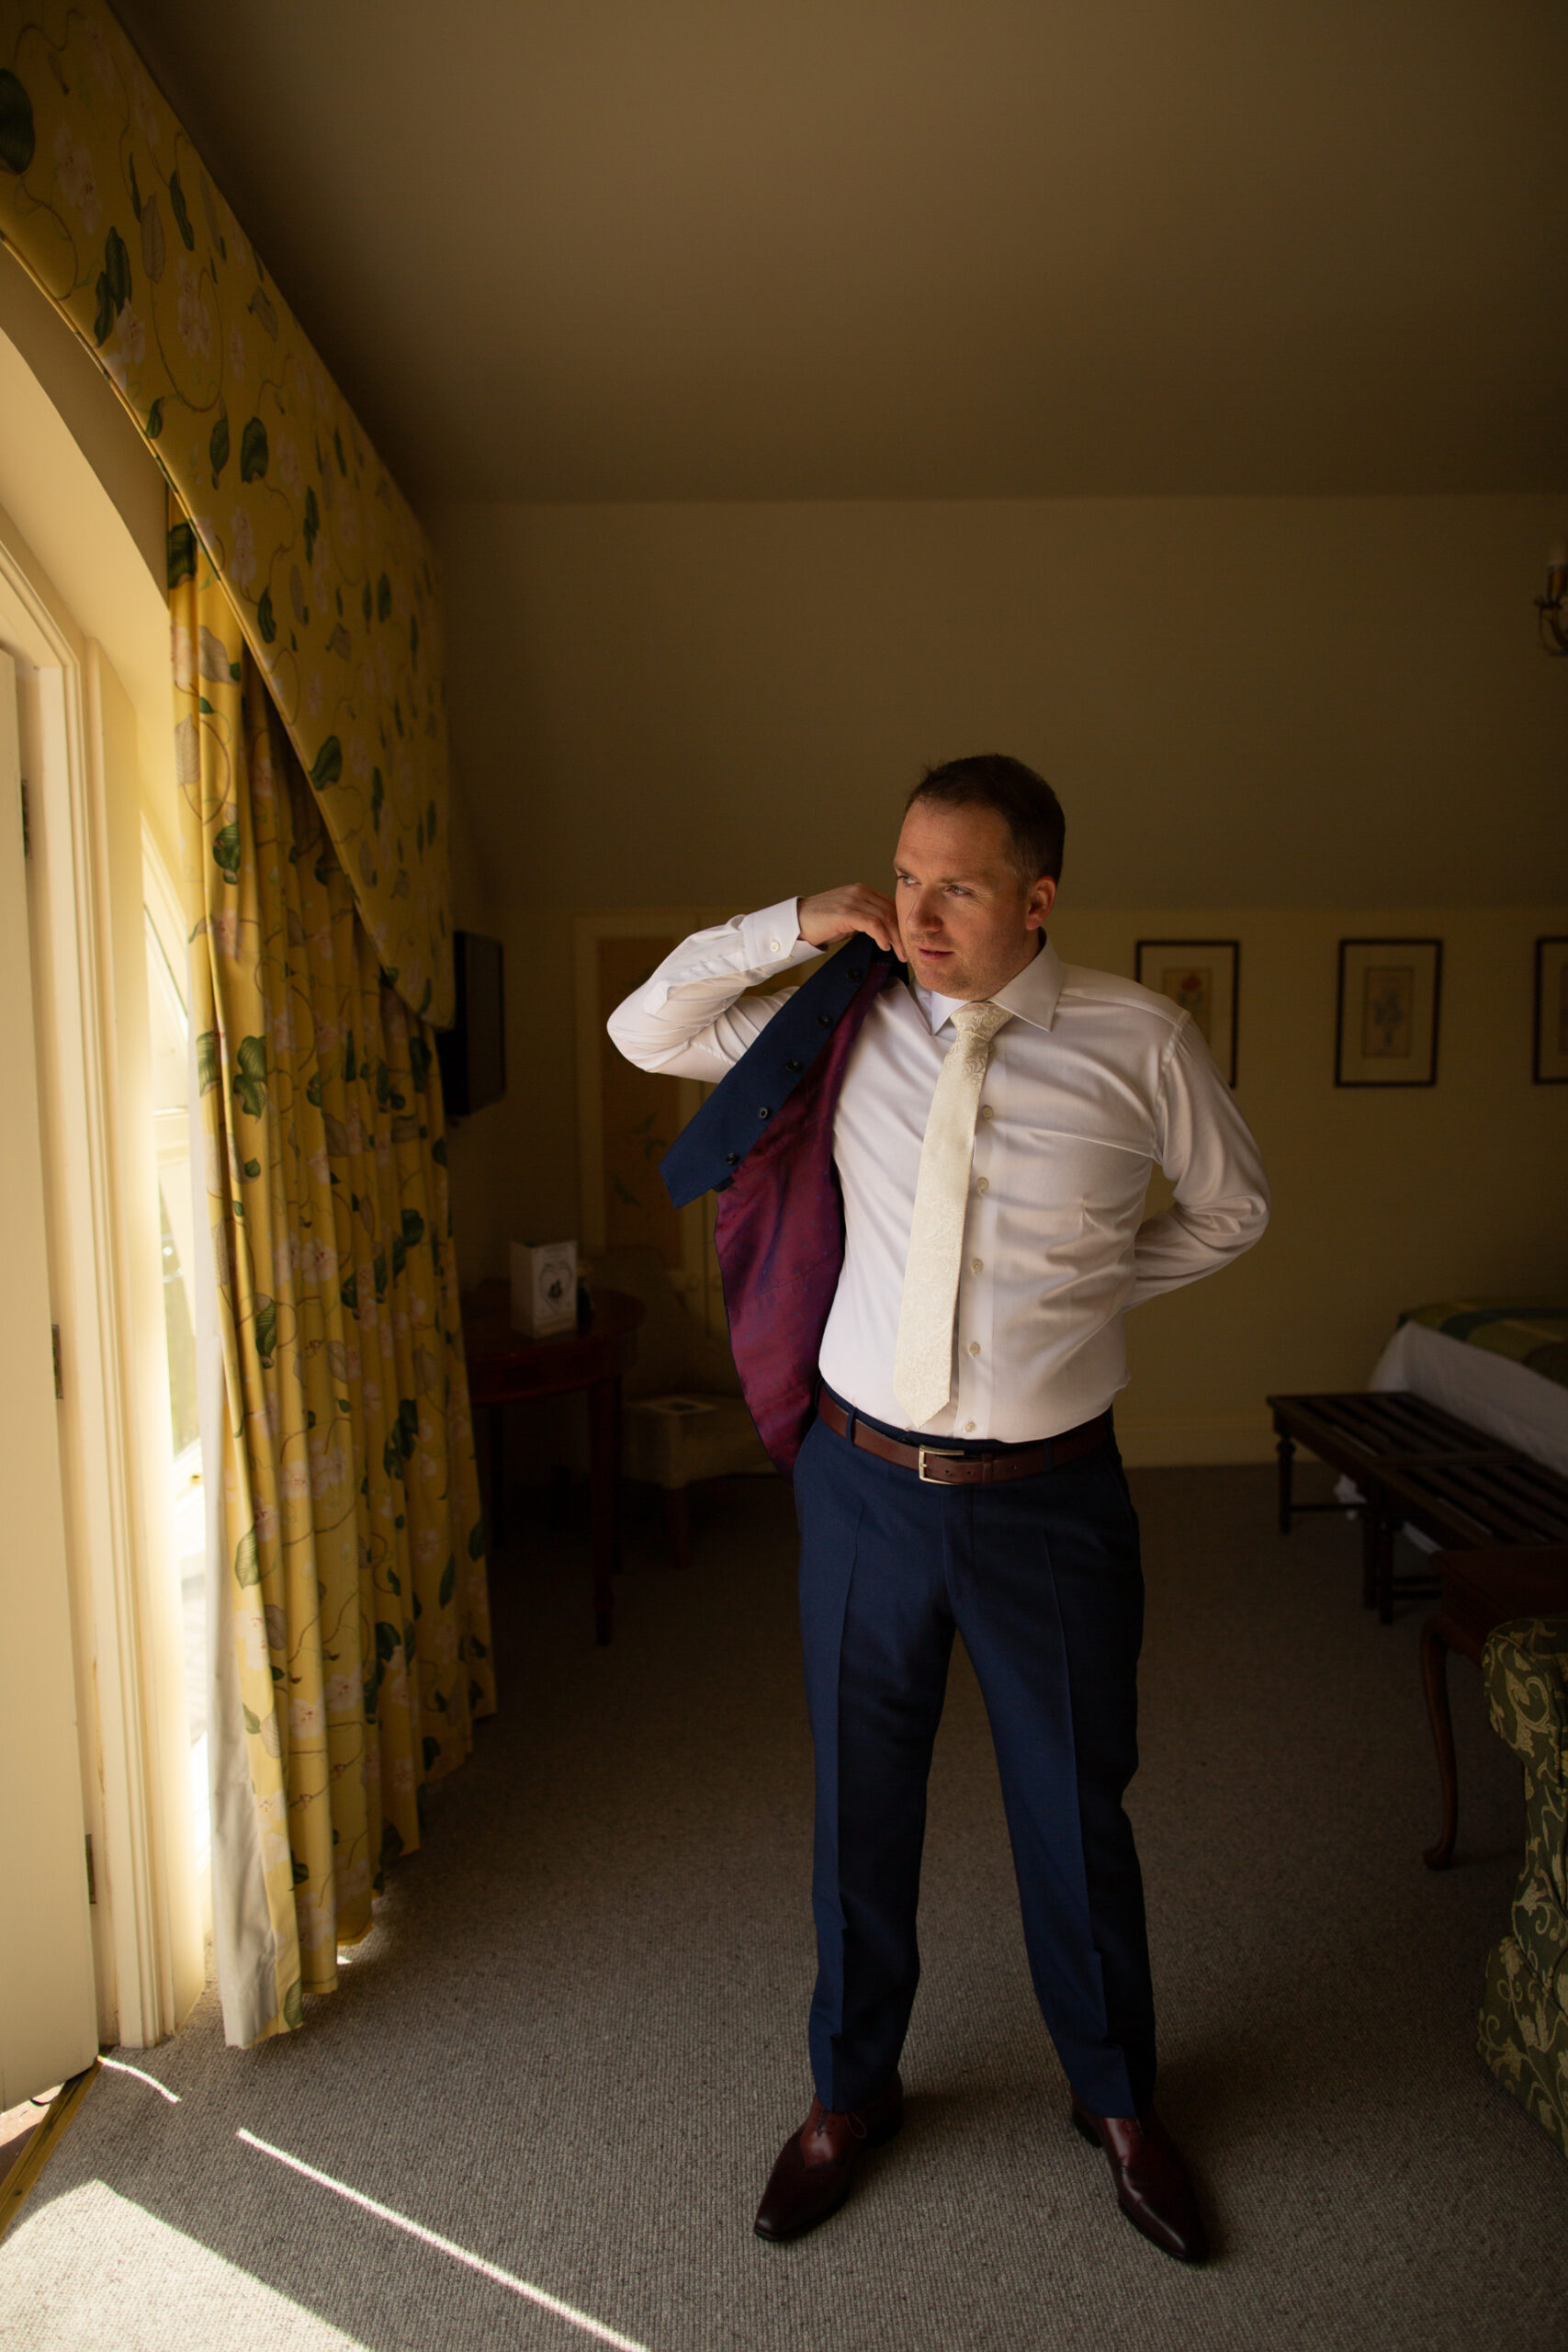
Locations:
101 2275
119 2066
449 2246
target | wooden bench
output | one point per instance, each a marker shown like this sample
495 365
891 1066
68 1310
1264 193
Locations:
1415 1465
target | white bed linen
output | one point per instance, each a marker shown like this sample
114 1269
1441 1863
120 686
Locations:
1505 1399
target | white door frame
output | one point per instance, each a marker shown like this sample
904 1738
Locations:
48 2009
89 976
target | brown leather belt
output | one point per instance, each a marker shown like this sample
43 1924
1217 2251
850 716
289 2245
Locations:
938 1468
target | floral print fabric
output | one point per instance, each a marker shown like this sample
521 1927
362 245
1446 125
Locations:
355 1545
105 201
1524 2009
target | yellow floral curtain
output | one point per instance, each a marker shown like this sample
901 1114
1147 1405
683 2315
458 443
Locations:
353 1553
106 202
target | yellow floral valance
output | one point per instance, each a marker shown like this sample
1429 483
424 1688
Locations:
105 201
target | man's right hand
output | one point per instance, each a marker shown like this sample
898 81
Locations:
833 915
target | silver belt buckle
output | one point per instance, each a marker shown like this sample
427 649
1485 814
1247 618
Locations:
936 1454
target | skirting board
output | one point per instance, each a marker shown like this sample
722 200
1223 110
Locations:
1165 1445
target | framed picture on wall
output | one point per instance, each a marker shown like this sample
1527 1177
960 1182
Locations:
1202 976
1387 1025
1551 1064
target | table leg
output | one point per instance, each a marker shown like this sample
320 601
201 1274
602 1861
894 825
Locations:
1386 1532
604 1446
1377 1531
1371 1530
497 1475
1286 1450
1435 1682
558 1503
678 1526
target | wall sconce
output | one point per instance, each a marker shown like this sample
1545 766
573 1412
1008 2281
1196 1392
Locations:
1553 606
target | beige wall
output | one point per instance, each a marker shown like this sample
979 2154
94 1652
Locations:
1384 1198
1252 702
1281 720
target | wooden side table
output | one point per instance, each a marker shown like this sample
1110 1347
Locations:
1482 1589
505 1368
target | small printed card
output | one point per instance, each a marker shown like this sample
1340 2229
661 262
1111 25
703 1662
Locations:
543 1287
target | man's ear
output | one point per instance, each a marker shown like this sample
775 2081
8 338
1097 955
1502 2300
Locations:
1041 898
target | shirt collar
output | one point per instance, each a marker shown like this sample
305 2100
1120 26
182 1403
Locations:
1030 995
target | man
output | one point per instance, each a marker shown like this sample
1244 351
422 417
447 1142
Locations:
991 1117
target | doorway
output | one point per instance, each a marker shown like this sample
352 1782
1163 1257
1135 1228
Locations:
84 626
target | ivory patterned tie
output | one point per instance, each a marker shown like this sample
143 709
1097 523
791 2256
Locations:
922 1361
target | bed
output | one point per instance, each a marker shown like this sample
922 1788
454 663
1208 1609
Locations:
1499 1365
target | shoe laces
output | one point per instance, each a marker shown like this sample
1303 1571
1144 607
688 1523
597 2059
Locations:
829 2115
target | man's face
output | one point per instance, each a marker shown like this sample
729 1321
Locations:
967 922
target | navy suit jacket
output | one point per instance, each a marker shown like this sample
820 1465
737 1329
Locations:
763 1142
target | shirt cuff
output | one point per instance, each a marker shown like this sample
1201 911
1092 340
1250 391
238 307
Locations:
771 939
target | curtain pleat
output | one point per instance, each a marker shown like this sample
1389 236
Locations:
352 1538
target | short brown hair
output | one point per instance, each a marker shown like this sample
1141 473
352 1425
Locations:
1025 802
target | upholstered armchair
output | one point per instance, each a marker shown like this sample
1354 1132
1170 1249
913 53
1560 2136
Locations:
682 1418
1524 2009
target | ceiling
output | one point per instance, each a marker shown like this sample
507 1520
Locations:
783 249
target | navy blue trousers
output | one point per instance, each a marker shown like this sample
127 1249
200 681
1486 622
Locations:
1041 1576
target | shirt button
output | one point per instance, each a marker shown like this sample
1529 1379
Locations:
987 1111
968 1429
974 1347
977 1265
984 1185
774 947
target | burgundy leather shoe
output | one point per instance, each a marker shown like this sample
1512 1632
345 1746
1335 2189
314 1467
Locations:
1152 2186
815 2168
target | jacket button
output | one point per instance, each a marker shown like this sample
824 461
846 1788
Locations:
794 1064
732 1159
857 971
764 1113
824 1021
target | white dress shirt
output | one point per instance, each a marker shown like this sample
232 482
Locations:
1092 1083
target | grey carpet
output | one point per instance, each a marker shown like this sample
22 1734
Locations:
575 2037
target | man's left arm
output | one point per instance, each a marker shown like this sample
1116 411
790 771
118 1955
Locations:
1206 1149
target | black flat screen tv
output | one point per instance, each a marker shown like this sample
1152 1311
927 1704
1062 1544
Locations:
472 1053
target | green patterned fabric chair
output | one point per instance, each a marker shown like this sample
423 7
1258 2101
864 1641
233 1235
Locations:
1524 2009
